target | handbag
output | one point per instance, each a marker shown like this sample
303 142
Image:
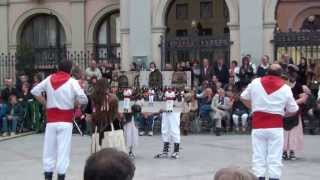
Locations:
290 122
114 139
95 147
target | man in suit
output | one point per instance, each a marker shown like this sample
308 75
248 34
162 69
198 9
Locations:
221 71
206 71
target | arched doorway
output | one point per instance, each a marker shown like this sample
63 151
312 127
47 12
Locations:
42 43
196 30
107 38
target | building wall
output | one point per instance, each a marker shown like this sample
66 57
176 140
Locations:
292 13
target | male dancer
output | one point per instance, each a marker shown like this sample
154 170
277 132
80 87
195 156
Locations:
270 100
170 127
63 93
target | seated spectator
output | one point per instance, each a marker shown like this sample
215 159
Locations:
146 122
12 116
190 107
205 102
109 164
221 106
234 173
240 113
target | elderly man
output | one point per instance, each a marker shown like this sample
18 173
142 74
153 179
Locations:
93 71
270 99
221 106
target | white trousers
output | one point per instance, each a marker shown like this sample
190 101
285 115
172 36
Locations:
57 146
151 98
126 103
169 105
170 127
267 152
236 119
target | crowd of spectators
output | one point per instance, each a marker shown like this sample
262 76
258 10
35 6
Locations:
213 97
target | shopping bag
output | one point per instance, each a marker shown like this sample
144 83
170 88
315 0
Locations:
114 139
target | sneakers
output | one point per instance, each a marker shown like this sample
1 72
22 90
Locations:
131 155
142 133
175 155
13 133
150 133
285 156
292 156
163 155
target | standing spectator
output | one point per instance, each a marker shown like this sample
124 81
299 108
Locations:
254 67
221 106
20 81
155 77
13 116
8 90
195 73
206 71
263 67
93 70
234 71
293 134
221 71
302 74
246 72
285 61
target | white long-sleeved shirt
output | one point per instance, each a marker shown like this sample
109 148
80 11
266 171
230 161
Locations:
270 98
62 92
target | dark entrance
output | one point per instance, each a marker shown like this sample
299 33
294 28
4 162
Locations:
196 30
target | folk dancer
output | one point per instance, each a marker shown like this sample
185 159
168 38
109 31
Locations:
270 100
127 93
151 94
170 127
63 92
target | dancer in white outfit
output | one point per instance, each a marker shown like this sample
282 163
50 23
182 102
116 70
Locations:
170 127
270 100
63 92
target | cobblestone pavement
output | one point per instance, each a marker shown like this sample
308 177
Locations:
201 157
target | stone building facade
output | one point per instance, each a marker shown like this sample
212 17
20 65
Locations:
133 30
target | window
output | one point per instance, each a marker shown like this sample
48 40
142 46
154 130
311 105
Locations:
206 9
108 37
181 33
182 11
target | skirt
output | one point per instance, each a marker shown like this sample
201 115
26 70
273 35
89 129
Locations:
293 139
131 134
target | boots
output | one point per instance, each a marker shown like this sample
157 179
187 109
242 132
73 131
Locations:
61 176
262 178
175 154
273 179
48 175
218 131
164 153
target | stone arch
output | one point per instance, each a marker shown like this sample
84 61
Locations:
159 14
298 18
23 19
97 18
270 9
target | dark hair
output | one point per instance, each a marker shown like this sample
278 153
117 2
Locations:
65 66
234 62
109 164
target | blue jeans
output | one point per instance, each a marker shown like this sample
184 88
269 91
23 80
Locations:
146 123
13 122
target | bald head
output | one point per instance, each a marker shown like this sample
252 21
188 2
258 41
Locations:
275 70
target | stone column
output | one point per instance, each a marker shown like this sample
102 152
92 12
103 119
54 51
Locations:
4 26
268 47
235 39
157 32
251 29
124 35
77 25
